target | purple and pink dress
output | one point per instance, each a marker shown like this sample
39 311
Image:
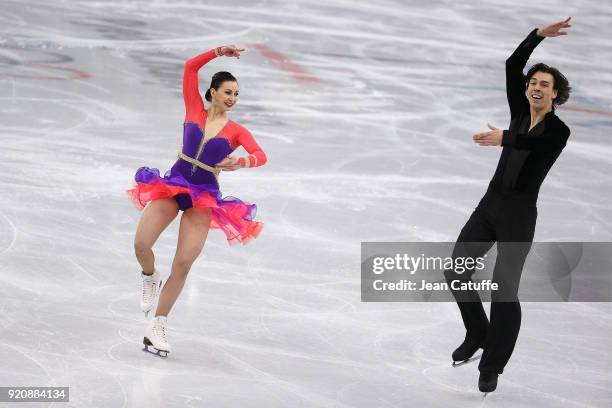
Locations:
193 179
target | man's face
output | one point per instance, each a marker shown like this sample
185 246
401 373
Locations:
540 92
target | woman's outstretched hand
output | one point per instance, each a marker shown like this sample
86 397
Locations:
229 164
231 51
491 138
553 30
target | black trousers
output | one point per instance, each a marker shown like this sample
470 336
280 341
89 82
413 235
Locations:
509 220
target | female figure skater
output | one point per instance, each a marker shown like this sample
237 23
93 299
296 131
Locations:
191 186
507 212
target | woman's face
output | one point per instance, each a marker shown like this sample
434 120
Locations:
226 96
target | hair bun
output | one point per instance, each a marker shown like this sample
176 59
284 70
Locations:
207 95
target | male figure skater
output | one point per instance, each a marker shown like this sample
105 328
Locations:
507 212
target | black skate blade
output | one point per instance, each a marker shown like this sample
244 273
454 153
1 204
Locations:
148 348
464 362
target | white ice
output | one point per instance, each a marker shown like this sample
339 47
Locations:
374 146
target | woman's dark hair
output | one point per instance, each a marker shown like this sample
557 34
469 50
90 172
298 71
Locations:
561 84
216 81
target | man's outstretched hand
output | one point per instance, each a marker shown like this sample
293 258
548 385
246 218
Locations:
554 30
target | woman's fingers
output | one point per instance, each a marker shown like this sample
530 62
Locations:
229 168
229 163
234 51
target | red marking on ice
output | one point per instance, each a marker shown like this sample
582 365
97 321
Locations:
284 63
78 74
593 111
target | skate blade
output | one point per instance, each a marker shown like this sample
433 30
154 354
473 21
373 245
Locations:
464 362
148 348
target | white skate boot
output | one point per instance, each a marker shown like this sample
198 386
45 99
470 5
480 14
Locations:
155 341
151 286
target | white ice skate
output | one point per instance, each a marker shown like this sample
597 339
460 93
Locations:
155 341
151 285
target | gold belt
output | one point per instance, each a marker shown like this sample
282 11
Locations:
198 163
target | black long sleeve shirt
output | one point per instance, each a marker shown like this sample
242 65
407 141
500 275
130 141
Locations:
527 155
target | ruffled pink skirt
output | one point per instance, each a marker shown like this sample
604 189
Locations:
231 215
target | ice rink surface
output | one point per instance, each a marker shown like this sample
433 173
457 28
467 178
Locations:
366 112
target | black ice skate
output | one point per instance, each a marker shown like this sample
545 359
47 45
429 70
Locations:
487 382
463 354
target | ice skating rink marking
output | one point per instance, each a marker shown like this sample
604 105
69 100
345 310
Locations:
13 231
505 388
77 74
585 110
284 63
12 62
82 269
50 379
